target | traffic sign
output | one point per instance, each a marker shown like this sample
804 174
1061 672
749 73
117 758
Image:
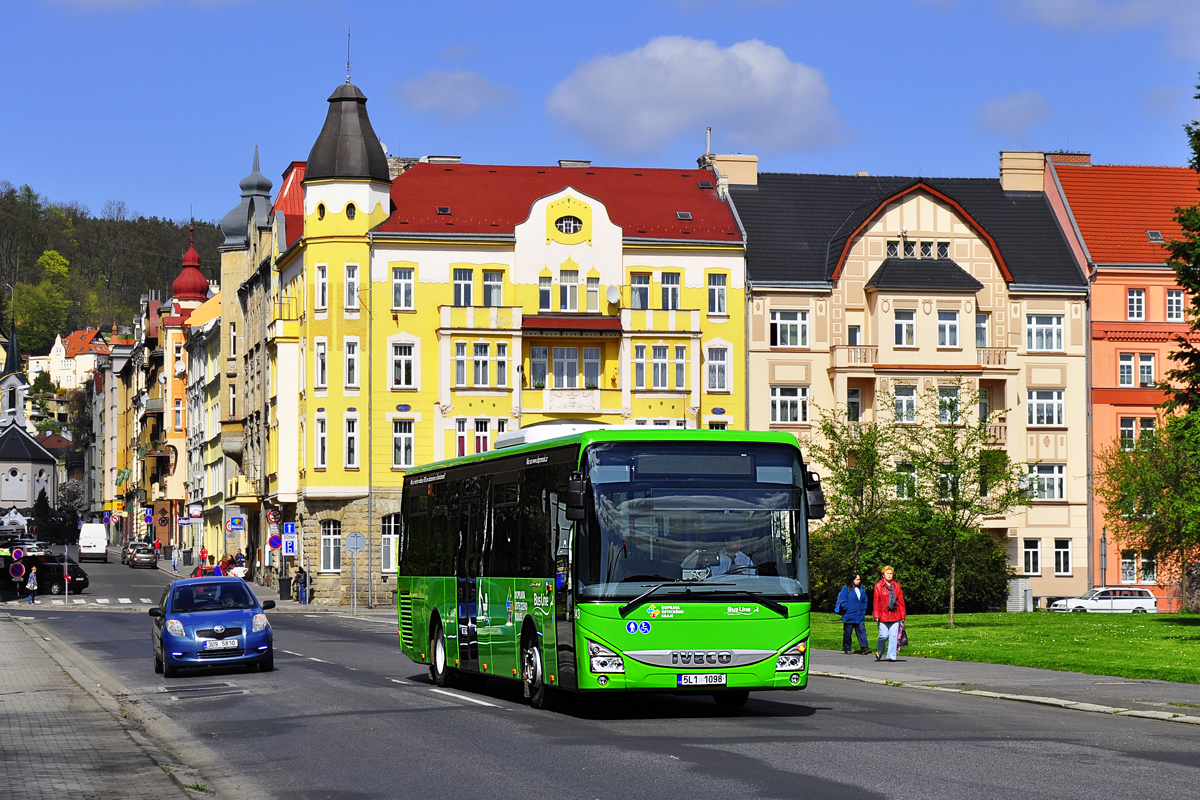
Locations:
16 570
290 545
354 543
18 554
235 524
275 542
289 529
107 517
274 516
272 529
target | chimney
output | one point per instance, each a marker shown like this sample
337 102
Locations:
739 169
1022 170
1070 157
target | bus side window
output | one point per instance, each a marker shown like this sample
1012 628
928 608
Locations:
442 540
535 524
506 532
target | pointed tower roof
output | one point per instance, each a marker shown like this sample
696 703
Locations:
256 191
12 357
347 146
191 283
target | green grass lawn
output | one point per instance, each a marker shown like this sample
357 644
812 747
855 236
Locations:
1162 646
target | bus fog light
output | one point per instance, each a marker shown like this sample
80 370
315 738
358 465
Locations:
795 679
604 660
602 680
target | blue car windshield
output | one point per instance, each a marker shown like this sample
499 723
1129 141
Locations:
215 596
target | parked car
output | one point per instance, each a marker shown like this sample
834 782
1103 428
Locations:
50 574
211 622
128 548
143 555
93 541
1112 600
28 546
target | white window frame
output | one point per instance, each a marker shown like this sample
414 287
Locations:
460 437
1129 567
321 445
639 291
502 364
539 367
948 405
483 435
493 288
321 289
460 363
905 320
1048 481
403 288
403 443
481 354
639 366
1145 376
1044 333
350 362
681 364
1047 408
233 401
1174 305
670 291
718 368
658 363
717 285
545 292
1125 369
351 287
390 527
591 367
1135 305
403 362
947 329
982 324
178 414
464 279
331 545
853 404
593 295
566 367
905 404
1062 557
905 483
789 405
568 289
351 440
789 329
1031 557
1127 432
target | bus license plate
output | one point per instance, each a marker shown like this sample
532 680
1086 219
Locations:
221 644
702 679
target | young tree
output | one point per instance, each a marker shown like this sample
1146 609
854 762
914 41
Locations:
72 499
958 472
1183 382
1151 492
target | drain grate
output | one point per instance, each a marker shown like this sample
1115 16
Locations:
201 691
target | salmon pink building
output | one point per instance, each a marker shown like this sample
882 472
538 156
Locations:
1118 219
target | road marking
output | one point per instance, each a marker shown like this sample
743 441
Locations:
56 602
144 599
457 696
79 602
124 600
393 680
290 653
103 601
318 660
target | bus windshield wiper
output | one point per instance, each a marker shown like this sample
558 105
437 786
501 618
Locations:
637 601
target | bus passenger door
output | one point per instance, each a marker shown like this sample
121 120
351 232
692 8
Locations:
466 572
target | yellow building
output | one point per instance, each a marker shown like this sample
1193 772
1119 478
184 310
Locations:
418 314
206 461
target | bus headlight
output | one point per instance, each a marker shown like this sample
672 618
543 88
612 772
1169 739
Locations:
792 659
603 659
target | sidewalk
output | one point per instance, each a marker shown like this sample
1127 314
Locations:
59 740
1174 702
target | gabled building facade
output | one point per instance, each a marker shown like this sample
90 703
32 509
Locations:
1118 219
206 461
867 292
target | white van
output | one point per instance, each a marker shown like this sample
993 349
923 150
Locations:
93 541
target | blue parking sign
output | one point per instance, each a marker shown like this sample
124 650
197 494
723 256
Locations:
289 528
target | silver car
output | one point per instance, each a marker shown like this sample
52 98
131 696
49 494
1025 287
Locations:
1111 600
143 556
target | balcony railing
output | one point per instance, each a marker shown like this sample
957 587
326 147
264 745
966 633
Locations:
854 355
994 357
998 433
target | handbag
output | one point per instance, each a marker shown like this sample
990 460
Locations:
902 640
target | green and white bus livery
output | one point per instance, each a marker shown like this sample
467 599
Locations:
612 559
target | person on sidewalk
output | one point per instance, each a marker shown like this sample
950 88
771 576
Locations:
888 610
175 559
301 584
157 548
31 585
203 556
852 604
240 558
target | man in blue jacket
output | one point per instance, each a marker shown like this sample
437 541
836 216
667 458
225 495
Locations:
852 603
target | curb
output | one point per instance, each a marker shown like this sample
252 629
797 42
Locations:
1162 716
160 737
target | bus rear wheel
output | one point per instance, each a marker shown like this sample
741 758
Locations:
439 672
533 677
731 700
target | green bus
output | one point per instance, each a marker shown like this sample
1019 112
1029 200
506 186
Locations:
594 559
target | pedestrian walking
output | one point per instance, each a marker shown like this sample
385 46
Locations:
301 581
240 558
157 548
175 559
203 555
852 603
31 585
888 610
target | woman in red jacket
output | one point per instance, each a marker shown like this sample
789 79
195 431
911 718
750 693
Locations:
888 610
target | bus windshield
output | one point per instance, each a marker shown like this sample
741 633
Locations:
711 523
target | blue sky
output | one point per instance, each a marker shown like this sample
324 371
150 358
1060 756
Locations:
160 103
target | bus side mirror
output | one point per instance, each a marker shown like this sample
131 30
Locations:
814 495
576 497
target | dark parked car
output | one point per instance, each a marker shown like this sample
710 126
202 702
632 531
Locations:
143 556
50 574
211 622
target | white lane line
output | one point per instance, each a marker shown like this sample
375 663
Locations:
290 653
318 660
124 600
79 602
402 683
457 696
144 600
103 601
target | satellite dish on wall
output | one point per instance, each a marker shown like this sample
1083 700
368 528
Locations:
162 378
613 294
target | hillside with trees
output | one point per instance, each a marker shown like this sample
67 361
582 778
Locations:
70 269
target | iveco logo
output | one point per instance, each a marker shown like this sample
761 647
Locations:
218 629
699 657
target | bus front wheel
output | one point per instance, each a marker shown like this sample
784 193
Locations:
439 672
533 677
731 700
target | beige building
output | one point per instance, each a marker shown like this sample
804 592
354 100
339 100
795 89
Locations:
866 292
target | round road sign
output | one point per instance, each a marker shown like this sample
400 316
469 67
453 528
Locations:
16 570
275 542
18 554
354 543
274 516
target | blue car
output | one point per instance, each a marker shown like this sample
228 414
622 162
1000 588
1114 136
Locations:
211 622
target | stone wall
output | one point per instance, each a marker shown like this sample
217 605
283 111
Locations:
336 588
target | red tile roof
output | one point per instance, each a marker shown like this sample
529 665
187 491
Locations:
85 341
1114 206
290 202
487 199
52 441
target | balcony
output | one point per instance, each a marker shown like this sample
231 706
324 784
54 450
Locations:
998 433
154 405
994 357
854 356
243 490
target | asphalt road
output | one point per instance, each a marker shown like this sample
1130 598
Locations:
112 585
345 715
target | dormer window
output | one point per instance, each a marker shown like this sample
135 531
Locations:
350 211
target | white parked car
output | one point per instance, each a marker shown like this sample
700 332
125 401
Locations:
1112 600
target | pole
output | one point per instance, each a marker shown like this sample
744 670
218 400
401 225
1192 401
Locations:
370 407
354 585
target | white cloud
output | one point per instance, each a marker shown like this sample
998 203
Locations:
756 99
1013 114
1178 19
453 94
